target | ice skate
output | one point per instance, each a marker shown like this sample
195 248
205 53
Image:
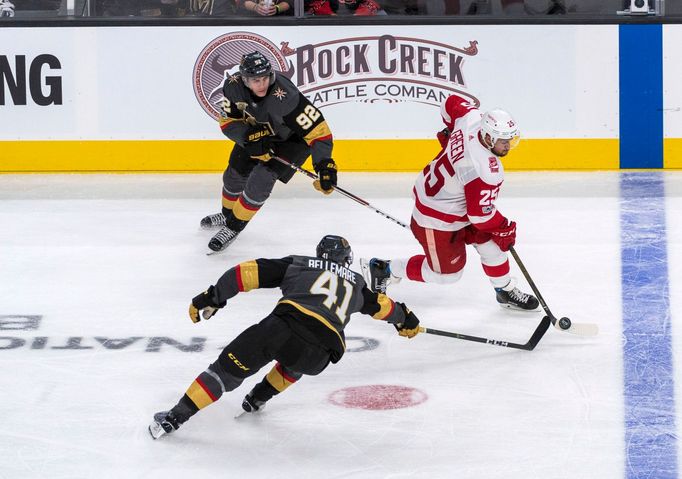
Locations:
377 274
164 423
511 297
212 221
222 239
251 404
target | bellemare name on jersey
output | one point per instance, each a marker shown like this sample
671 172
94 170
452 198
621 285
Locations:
333 267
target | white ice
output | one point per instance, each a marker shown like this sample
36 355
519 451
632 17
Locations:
121 256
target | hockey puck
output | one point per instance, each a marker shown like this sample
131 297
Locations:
564 323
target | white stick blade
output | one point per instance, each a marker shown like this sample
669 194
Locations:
580 329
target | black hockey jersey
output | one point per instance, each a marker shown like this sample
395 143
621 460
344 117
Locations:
319 295
284 111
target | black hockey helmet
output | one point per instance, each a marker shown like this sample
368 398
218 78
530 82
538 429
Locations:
335 248
255 65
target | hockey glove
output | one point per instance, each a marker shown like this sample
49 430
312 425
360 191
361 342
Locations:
230 109
326 173
258 144
443 137
204 303
409 328
505 235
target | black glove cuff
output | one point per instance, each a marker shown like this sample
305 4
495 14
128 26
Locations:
411 321
205 299
327 164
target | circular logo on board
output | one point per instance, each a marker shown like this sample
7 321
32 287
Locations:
377 397
220 59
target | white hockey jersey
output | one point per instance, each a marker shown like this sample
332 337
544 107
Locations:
459 187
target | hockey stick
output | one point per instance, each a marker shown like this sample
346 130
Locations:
563 324
529 346
345 193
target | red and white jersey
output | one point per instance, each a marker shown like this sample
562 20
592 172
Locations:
459 187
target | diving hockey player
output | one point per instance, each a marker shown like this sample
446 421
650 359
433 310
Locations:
303 334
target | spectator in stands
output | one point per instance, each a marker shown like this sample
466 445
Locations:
210 8
6 9
360 8
9 8
265 8
343 7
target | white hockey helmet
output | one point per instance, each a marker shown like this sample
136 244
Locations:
500 126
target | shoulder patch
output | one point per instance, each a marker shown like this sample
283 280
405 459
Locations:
493 164
279 93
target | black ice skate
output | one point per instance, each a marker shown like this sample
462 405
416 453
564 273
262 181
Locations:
222 239
377 274
165 422
511 297
251 404
212 221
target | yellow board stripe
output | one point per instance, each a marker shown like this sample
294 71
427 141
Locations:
248 275
386 304
350 155
672 153
316 316
198 395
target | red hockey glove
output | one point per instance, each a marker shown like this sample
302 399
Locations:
505 235
443 136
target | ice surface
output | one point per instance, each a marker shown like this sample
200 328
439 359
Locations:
107 264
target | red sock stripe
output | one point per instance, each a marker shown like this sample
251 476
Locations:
229 197
279 369
206 390
496 271
414 268
238 272
247 206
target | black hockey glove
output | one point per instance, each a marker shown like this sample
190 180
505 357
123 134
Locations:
258 144
326 173
409 328
230 109
205 304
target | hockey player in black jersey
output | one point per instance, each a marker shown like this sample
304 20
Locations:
265 115
303 334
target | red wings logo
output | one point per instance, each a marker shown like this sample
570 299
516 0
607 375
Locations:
493 165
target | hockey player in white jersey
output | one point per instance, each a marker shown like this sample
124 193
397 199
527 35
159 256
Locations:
455 206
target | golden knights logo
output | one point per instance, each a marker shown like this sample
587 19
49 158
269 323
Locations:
369 69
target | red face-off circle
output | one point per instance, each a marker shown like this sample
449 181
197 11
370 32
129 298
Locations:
377 397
